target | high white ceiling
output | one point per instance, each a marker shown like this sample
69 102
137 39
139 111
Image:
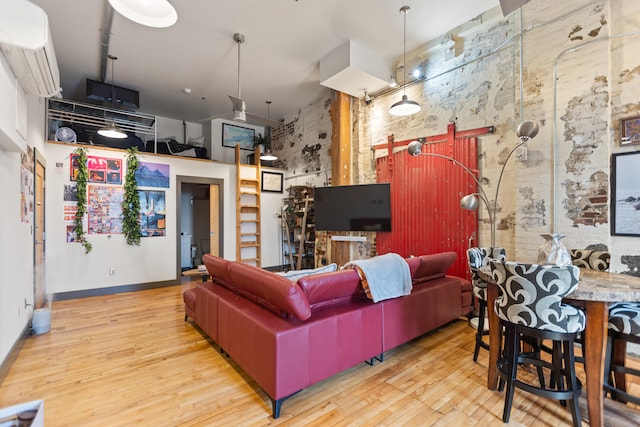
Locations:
285 40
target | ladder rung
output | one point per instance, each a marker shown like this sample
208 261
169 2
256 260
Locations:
249 244
249 259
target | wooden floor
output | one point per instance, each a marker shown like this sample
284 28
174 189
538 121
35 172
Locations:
130 359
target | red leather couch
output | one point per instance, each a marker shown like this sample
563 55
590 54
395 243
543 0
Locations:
289 335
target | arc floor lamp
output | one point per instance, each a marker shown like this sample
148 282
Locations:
525 132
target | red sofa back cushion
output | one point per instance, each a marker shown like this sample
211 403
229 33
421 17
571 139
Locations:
269 290
331 289
434 266
218 268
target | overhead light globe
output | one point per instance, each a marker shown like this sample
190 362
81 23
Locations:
112 131
150 13
268 155
405 107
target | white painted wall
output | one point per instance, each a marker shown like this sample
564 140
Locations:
156 259
16 237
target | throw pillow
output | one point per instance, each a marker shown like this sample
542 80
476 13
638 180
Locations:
294 275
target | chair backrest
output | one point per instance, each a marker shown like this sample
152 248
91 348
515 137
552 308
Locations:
591 259
479 257
531 295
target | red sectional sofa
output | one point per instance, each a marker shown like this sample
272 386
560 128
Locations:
289 335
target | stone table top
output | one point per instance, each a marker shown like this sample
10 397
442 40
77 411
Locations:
604 286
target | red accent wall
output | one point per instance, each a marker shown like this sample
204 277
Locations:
425 201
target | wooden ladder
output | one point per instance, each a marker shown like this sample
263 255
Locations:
248 210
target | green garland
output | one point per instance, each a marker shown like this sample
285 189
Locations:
131 201
81 189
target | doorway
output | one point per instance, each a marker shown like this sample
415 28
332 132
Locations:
200 213
39 232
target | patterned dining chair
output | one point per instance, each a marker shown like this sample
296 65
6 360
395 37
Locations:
479 257
624 326
591 259
530 306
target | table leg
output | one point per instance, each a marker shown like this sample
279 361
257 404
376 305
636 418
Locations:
595 340
494 336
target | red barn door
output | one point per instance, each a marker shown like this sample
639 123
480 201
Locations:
425 200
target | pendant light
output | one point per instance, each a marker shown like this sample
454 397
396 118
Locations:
268 155
112 130
150 13
405 107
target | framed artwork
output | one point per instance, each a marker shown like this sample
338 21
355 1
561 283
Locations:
272 182
233 135
630 131
625 194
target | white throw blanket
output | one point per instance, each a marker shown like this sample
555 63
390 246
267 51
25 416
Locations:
388 276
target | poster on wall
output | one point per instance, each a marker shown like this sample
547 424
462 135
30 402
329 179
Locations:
152 213
101 170
625 194
152 175
26 186
105 209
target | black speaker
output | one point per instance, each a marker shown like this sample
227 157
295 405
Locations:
127 98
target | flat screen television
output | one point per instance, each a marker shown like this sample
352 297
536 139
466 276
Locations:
353 208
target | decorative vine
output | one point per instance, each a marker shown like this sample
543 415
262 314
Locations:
131 201
81 187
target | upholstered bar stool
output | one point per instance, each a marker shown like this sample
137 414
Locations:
479 257
624 326
530 306
591 259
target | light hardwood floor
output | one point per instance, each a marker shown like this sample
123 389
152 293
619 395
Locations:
130 359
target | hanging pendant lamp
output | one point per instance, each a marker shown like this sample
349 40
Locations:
268 155
112 130
404 107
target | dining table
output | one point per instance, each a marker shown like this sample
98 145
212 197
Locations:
596 290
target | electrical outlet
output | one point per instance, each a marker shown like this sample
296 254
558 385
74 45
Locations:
521 154
112 271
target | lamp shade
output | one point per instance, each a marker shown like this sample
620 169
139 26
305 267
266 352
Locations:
527 130
469 202
112 131
405 107
414 148
150 13
268 155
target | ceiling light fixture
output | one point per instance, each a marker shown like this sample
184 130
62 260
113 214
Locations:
405 107
393 82
112 130
150 13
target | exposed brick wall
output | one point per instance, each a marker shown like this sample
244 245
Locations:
580 77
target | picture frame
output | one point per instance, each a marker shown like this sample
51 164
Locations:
630 131
233 135
625 195
272 182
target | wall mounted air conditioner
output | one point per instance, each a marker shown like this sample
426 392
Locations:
25 40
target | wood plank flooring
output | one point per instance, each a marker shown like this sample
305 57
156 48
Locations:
130 359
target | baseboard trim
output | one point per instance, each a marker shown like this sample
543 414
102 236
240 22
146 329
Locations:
7 363
62 296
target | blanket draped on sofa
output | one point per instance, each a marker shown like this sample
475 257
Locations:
386 276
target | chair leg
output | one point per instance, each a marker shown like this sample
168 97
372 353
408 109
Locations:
572 382
481 313
513 352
